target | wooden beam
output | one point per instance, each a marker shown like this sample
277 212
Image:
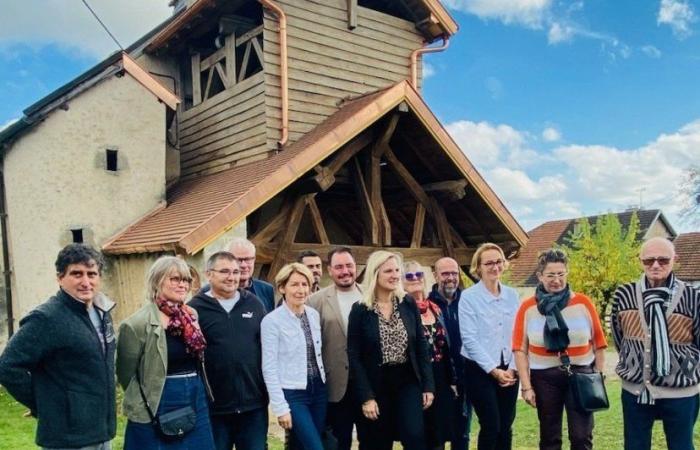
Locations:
273 227
443 228
407 179
381 144
230 46
317 220
326 175
196 81
418 224
371 228
386 226
287 239
244 62
422 156
456 188
352 14
258 51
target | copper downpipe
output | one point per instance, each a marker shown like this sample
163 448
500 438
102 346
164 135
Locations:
283 67
420 51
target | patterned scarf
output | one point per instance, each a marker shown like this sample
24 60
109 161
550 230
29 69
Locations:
424 305
183 323
556 332
655 301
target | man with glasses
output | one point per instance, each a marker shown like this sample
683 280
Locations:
333 304
656 329
244 251
446 293
230 319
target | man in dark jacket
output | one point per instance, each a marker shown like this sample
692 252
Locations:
446 293
244 251
230 319
60 363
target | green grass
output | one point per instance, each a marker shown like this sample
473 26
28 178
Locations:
17 431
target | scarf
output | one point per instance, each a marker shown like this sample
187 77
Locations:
655 301
183 323
424 305
556 332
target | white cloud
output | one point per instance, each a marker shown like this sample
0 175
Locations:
70 24
679 15
560 33
517 185
651 51
527 12
487 145
551 134
428 70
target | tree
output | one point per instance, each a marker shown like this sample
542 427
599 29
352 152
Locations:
690 189
602 257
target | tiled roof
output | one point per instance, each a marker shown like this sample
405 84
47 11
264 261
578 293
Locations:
549 233
688 252
198 211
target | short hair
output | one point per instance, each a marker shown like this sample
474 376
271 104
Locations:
159 270
369 283
239 242
307 254
288 270
476 258
341 249
551 255
228 256
78 254
412 263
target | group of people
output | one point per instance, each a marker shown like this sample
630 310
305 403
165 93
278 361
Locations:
388 357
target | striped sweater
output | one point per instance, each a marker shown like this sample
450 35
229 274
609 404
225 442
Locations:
633 342
585 333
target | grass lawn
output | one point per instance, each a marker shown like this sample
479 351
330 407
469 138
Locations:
17 431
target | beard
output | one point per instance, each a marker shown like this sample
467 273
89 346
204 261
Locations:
449 291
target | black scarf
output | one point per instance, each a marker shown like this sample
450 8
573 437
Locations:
556 332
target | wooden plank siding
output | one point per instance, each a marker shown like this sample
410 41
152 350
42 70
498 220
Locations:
225 129
329 62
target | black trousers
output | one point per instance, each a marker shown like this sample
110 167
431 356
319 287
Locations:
342 416
494 406
400 403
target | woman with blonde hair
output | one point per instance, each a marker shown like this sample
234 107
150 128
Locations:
160 364
486 316
291 359
439 420
389 362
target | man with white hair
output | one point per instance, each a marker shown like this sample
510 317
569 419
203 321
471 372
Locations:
244 251
656 327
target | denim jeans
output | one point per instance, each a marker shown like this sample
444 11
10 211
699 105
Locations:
308 409
245 431
677 414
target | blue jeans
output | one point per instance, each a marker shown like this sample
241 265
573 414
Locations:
308 409
246 430
177 393
677 414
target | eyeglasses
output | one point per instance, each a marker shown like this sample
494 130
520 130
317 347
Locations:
498 262
662 260
449 274
226 272
553 276
248 260
177 280
414 276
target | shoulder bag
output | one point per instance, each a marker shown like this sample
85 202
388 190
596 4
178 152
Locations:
588 389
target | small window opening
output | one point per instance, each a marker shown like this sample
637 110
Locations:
77 235
112 160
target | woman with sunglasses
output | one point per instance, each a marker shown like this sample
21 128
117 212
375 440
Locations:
160 357
554 325
438 418
388 355
486 316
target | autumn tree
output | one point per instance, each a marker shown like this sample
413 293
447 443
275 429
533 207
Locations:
602 256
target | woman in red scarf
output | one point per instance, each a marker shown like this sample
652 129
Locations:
160 355
438 420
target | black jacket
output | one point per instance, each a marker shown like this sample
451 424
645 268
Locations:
450 315
233 357
55 365
365 351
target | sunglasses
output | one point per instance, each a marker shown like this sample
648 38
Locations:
663 261
413 276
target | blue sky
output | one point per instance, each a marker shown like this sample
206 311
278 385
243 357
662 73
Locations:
566 108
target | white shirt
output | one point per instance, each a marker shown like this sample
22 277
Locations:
284 353
227 303
345 301
486 325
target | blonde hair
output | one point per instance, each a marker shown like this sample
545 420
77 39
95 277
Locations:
287 271
160 270
416 264
369 283
476 259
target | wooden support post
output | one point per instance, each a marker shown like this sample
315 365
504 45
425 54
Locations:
352 14
273 227
382 143
418 226
371 228
317 220
244 62
196 81
326 175
287 239
230 45
407 179
443 228
258 51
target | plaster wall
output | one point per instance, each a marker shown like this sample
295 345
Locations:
56 180
657 229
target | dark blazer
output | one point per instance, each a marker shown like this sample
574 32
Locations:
365 352
265 292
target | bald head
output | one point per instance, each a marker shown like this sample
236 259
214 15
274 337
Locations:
447 277
657 256
658 243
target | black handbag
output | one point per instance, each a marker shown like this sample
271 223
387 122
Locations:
172 425
587 389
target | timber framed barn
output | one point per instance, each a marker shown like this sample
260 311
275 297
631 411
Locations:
296 123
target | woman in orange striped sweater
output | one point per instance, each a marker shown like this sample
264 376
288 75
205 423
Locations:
554 322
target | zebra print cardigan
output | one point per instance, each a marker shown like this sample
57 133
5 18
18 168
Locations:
633 341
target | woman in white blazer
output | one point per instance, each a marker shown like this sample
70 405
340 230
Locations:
292 363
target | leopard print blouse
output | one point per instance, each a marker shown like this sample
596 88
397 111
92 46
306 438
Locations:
393 336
